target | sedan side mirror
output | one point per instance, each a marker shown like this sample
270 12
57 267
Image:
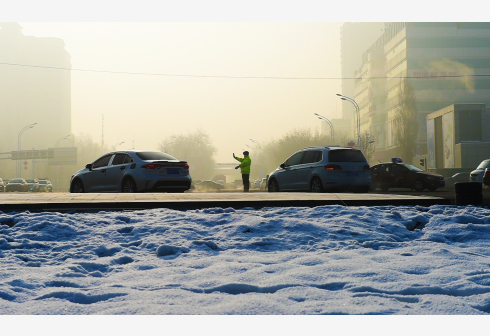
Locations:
282 165
88 166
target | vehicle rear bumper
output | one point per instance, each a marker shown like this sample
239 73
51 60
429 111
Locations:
167 185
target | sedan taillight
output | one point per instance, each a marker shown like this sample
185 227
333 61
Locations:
186 166
151 166
333 167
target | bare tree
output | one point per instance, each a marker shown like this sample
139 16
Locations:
367 145
406 124
195 148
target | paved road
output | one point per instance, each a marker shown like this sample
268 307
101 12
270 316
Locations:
193 200
62 201
447 193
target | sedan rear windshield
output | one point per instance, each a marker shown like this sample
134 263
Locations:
16 181
154 156
345 155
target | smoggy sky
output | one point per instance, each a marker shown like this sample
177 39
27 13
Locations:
148 107
205 59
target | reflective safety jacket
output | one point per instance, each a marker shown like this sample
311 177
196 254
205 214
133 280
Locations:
245 164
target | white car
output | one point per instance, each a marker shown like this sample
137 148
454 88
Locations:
133 171
477 174
458 177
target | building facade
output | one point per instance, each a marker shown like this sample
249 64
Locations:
458 136
445 63
355 39
35 87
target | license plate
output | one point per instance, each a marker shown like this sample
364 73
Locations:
350 174
173 171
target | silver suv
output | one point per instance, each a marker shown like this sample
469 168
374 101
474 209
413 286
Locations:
319 169
477 174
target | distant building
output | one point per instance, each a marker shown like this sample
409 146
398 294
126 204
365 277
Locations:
429 54
31 91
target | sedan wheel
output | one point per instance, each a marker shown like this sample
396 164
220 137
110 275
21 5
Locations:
418 185
77 187
273 186
316 185
129 186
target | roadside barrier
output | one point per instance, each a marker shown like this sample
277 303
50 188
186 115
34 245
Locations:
468 193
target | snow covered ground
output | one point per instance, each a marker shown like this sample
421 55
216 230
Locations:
323 260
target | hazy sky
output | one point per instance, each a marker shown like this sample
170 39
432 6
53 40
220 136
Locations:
148 108
231 110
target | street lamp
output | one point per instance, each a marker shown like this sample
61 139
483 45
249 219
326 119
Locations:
119 143
255 141
19 171
358 114
328 122
63 138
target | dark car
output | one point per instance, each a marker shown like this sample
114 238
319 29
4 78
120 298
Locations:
2 185
33 185
17 184
402 175
486 177
45 185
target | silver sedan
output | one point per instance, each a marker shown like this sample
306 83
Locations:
133 171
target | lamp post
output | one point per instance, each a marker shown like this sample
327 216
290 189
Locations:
256 142
119 143
329 123
358 114
19 171
63 138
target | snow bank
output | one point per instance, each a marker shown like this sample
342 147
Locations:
323 260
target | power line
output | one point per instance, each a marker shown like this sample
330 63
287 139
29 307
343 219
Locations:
239 77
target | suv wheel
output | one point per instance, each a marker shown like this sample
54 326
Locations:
316 185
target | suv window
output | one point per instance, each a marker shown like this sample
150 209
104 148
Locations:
102 162
346 155
294 160
312 157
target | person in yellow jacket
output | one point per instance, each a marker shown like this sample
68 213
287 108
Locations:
244 169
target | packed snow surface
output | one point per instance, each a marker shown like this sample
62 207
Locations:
322 260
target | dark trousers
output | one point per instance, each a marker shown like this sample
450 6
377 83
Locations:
246 182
